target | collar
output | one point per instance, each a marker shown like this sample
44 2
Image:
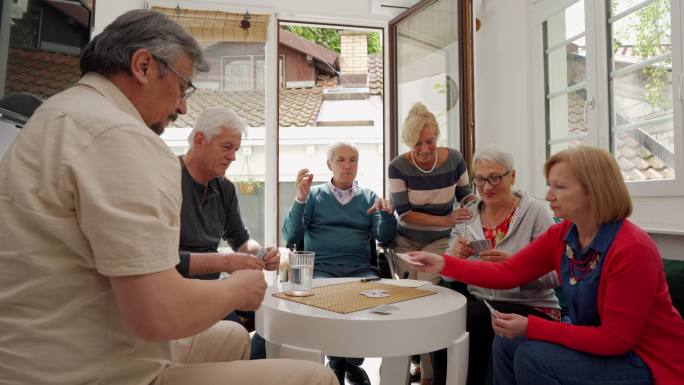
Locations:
112 93
205 191
602 240
339 193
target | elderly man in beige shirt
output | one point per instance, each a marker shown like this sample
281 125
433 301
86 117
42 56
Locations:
90 201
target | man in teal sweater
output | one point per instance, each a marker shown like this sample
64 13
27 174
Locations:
337 220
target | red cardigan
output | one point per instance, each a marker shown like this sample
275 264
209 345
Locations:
633 299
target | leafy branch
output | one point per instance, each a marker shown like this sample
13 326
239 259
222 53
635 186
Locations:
651 29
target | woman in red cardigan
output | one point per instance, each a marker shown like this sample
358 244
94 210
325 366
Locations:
623 326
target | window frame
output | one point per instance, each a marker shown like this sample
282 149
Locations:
466 77
598 88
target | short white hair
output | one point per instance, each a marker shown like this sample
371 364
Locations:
493 153
337 145
215 119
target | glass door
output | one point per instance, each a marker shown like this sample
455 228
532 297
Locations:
431 60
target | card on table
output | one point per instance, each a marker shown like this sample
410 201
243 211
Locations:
384 309
375 293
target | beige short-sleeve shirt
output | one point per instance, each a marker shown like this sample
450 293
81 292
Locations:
87 192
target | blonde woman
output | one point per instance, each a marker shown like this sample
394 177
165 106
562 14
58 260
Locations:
424 185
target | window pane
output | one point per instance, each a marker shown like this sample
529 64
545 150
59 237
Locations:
567 65
566 115
566 24
428 68
637 161
43 47
619 6
641 92
230 83
554 148
642 35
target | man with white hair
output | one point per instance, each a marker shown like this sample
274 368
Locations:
210 210
338 220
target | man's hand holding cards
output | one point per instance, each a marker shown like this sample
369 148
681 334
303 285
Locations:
269 256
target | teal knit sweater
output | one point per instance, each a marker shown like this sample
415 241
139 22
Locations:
339 234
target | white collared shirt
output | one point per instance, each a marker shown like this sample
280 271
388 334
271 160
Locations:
343 196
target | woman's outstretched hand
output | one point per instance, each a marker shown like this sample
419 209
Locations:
426 262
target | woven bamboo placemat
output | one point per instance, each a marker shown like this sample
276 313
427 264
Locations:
346 298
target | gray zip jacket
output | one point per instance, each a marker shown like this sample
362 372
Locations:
530 219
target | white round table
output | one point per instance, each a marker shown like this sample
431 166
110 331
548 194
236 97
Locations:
421 325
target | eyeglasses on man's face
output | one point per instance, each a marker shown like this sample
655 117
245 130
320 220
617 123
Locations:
493 180
189 88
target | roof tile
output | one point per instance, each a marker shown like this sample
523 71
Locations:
39 72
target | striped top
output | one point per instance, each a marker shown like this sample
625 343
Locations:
431 193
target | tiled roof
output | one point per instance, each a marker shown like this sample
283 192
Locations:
375 74
298 107
40 73
636 161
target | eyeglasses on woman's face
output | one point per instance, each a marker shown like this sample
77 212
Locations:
493 180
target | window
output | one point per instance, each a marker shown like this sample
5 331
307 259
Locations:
242 73
612 78
641 93
565 61
43 46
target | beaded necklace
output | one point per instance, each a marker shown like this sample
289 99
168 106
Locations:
420 169
580 268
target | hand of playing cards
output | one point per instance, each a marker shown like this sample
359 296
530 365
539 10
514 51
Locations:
480 245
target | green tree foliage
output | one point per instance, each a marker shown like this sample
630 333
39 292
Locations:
330 38
650 30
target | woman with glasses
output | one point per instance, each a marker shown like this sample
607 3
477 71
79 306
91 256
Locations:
424 185
623 328
509 220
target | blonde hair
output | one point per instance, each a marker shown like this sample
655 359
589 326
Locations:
418 118
599 174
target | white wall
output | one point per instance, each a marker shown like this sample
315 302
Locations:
503 84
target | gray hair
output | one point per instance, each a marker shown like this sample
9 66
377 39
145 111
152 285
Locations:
110 52
417 118
213 120
493 153
337 145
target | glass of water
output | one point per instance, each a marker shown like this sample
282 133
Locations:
300 272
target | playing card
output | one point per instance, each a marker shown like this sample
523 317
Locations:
481 245
261 254
491 309
408 259
375 293
384 309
